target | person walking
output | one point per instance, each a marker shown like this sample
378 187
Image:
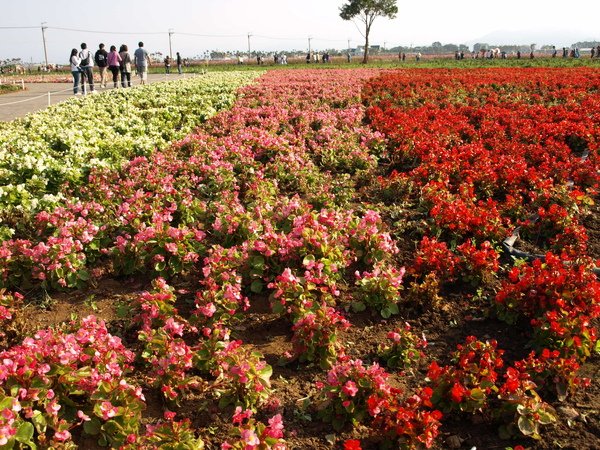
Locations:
125 65
100 57
179 64
75 70
87 67
114 64
167 65
141 60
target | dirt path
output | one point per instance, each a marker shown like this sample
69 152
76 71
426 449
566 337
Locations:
35 96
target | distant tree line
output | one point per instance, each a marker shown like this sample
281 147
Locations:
434 49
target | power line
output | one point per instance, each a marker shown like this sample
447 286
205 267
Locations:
107 32
170 32
16 28
213 35
278 38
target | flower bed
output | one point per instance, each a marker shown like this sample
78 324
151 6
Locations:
291 213
62 143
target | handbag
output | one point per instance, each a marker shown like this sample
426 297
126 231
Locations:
86 61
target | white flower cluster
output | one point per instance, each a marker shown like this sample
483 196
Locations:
62 143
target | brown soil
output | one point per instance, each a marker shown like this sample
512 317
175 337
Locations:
293 385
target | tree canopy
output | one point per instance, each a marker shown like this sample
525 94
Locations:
367 11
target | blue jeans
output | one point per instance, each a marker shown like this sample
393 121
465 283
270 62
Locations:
76 78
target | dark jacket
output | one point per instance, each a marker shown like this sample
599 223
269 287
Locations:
101 58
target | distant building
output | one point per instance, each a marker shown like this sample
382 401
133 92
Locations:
372 48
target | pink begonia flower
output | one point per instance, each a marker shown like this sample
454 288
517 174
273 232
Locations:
171 247
250 438
276 426
393 335
108 410
16 406
350 388
52 408
175 328
62 435
83 416
239 416
287 276
208 310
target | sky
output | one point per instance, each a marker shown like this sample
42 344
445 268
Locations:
283 24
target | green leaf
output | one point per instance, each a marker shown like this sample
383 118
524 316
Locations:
256 286
526 426
83 275
338 423
71 279
39 421
25 433
6 403
257 262
358 306
386 313
266 373
546 417
103 441
477 394
308 259
92 427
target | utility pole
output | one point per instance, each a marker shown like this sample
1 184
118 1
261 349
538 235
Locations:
171 32
44 40
249 51
309 39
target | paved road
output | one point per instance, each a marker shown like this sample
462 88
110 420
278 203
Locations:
35 96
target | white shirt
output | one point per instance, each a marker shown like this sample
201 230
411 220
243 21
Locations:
75 61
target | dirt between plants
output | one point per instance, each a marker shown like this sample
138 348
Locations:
458 316
460 313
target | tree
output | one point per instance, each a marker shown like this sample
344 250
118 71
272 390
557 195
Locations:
367 11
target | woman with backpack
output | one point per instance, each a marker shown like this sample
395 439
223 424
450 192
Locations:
125 65
114 64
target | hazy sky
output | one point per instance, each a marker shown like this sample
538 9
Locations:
418 23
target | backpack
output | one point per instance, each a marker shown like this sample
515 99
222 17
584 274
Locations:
85 61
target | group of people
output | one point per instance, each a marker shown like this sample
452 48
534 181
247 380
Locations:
316 57
179 62
82 66
574 52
